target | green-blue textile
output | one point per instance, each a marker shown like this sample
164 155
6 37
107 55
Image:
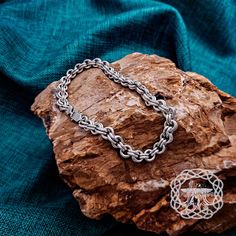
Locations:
40 40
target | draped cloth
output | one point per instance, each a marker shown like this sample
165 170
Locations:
40 40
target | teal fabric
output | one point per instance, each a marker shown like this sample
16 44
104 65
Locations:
40 40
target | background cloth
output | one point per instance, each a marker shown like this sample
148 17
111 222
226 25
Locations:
40 40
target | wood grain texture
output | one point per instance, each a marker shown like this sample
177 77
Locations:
104 183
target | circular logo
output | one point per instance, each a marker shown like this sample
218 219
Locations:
196 194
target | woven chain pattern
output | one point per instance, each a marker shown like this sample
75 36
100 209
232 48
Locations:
125 150
204 209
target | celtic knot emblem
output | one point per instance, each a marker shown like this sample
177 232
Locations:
196 194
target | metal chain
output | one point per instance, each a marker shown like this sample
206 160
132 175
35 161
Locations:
125 150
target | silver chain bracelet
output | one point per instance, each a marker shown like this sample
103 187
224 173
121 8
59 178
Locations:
125 150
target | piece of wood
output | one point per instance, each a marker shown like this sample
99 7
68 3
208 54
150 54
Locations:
104 183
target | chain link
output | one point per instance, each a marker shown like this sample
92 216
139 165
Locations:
107 133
